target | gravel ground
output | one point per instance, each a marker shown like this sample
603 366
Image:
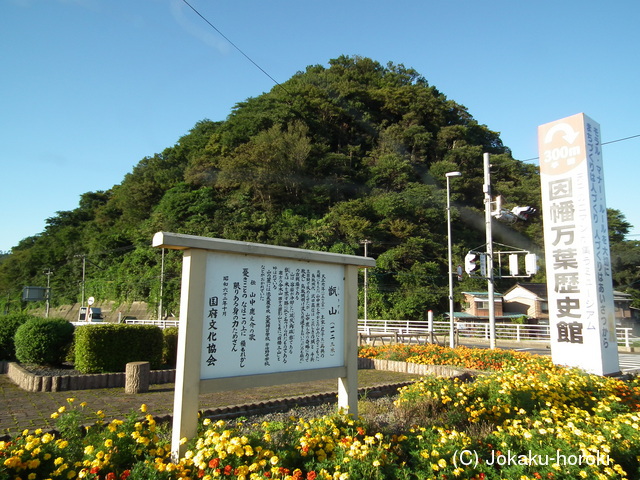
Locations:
22 409
65 369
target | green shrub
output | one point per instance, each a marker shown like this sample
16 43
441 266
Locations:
108 348
170 349
43 341
8 326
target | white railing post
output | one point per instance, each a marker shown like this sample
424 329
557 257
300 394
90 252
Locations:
627 343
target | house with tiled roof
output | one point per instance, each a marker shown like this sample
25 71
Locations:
476 307
531 299
528 299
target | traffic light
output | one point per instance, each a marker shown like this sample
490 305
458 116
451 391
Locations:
474 263
514 268
531 263
471 263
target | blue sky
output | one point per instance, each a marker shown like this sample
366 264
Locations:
90 87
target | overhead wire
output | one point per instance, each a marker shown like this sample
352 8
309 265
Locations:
235 46
283 88
601 144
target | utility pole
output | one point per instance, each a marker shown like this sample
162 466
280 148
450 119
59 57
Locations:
48 273
488 219
452 339
161 286
84 266
366 243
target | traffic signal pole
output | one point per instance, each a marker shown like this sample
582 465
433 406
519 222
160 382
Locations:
489 257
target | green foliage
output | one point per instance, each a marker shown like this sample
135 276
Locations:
109 347
350 151
170 346
43 341
8 326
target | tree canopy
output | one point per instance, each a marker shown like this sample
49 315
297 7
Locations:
332 157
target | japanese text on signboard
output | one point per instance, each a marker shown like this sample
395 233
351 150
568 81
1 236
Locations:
271 317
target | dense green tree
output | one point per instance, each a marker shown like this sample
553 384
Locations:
335 155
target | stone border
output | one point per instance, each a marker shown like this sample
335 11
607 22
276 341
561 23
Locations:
269 406
59 383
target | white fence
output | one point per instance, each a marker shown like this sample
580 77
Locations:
158 323
409 329
412 329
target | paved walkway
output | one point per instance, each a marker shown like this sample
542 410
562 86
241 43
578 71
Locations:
21 410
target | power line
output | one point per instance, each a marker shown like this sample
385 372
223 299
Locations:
235 46
603 143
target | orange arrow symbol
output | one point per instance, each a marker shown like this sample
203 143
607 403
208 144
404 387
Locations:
569 136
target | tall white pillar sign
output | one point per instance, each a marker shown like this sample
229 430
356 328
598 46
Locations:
579 281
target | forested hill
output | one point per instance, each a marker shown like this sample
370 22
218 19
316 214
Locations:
334 156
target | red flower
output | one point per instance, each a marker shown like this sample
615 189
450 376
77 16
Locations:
125 474
312 475
110 476
214 462
227 470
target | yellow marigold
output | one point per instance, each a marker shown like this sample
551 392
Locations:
12 462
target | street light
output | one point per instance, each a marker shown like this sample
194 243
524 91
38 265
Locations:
449 175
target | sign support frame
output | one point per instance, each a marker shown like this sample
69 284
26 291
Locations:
189 385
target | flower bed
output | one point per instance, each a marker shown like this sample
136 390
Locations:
527 420
471 358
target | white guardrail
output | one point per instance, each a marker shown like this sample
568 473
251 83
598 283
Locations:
416 329
480 330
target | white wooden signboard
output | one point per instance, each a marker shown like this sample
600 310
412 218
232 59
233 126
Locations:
578 260
255 315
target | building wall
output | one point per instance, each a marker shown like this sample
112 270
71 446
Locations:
525 302
474 303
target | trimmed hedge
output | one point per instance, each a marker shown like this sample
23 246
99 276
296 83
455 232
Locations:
170 351
8 326
108 348
43 341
